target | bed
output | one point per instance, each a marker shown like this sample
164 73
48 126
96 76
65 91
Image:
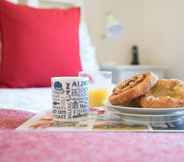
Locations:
39 99
57 146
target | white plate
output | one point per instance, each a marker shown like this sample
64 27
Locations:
135 115
144 111
148 119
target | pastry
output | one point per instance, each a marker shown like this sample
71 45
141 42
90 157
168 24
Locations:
128 90
165 94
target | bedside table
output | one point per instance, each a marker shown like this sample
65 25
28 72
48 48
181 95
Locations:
122 72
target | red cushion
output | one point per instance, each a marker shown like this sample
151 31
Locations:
0 40
38 44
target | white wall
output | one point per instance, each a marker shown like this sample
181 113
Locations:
130 14
157 26
164 34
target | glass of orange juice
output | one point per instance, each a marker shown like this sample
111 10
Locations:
99 87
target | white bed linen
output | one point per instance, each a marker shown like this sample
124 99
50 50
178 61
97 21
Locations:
29 99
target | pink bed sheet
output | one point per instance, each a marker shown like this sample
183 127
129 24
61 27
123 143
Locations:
44 146
13 118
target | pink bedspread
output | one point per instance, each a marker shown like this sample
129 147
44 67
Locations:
13 118
90 147
42 146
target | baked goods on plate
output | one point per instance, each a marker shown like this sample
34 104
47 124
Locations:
126 91
144 99
145 90
165 94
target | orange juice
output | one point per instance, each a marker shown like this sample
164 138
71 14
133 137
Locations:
97 97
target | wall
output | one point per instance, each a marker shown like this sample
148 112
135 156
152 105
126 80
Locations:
157 26
164 34
130 14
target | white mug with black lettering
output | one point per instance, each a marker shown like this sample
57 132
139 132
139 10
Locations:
69 97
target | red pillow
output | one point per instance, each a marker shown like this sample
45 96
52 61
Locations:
0 40
38 44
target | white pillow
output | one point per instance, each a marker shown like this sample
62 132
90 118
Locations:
87 51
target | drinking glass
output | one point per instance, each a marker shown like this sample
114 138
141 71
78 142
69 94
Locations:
100 83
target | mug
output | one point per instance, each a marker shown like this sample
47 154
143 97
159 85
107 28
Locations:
69 97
